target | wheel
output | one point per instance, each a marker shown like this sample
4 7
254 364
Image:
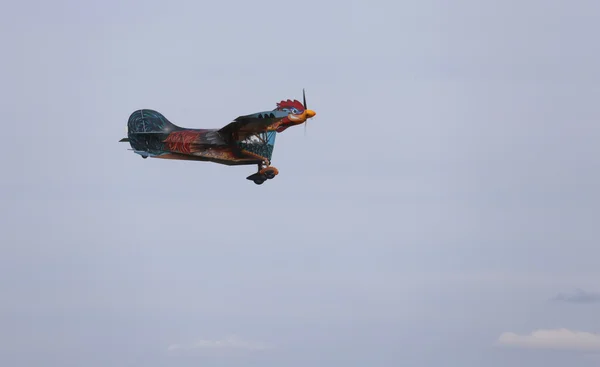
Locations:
269 172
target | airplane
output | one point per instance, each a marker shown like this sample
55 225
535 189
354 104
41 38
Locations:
247 140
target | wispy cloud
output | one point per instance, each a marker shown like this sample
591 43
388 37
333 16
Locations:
231 342
578 296
562 339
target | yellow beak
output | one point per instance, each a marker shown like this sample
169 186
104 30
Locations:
302 117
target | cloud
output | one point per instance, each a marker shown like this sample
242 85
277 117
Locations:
578 296
562 339
231 342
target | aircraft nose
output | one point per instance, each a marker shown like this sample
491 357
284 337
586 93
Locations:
310 113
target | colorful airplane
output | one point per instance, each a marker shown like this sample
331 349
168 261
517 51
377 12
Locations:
247 140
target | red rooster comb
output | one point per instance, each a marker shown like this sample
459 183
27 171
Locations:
290 104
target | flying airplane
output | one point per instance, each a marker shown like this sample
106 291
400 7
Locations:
247 140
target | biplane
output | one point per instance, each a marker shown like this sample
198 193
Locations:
247 140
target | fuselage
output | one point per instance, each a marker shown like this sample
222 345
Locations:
150 134
209 145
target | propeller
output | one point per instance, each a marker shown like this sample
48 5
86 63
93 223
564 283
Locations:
304 98
305 108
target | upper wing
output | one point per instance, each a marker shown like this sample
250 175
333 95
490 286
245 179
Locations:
244 126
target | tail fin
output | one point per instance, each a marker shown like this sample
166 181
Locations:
149 121
146 130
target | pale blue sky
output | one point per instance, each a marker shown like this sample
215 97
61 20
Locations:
446 192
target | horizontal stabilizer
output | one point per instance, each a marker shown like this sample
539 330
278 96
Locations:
147 132
124 140
146 154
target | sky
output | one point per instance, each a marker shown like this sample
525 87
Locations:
440 211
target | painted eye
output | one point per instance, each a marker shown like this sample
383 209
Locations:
294 111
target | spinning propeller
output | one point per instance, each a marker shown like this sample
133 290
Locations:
310 114
305 108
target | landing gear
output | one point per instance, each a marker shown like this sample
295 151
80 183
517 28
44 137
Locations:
265 172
